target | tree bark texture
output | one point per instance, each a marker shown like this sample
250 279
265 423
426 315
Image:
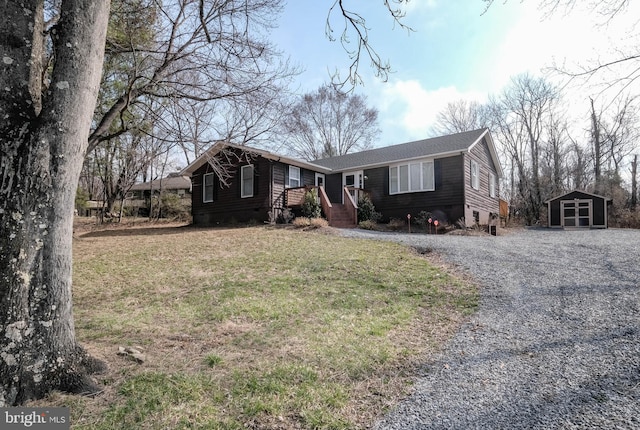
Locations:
634 182
43 139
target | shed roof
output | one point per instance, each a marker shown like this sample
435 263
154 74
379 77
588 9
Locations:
578 191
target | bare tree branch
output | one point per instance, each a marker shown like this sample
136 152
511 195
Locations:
355 24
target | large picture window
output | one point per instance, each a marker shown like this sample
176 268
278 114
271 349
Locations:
246 181
207 188
294 177
411 177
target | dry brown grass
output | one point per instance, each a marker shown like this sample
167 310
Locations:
254 327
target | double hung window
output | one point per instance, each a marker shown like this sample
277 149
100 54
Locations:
207 187
411 177
246 181
294 177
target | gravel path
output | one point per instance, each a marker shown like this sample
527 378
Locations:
555 342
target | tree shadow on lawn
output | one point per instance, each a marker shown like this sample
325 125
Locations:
115 230
125 231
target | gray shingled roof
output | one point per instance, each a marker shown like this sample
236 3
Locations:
405 151
172 182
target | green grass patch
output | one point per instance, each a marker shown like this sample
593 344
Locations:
255 327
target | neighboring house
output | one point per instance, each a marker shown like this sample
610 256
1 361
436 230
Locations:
90 208
578 209
139 195
455 177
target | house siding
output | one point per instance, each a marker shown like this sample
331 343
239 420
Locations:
227 206
480 200
446 200
278 175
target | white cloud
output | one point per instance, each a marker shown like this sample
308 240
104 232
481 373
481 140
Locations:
536 41
409 110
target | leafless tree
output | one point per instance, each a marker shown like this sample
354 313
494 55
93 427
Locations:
459 116
201 51
622 67
554 150
578 176
615 132
520 118
328 122
607 8
354 38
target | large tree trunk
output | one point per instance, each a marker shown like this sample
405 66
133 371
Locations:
597 149
634 182
41 156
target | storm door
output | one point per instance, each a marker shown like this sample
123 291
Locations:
354 182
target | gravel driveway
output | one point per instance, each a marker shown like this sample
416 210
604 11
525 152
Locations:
555 342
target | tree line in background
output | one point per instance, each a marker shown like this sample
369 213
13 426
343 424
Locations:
546 152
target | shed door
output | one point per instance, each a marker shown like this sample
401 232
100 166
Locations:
576 213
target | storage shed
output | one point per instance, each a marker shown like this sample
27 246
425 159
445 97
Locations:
578 209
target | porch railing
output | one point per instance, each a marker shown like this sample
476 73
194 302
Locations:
325 203
294 197
350 203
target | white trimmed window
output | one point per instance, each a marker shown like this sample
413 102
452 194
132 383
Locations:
294 177
475 175
492 185
207 188
246 181
411 177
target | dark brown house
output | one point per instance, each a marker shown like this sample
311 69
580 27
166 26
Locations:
455 176
578 209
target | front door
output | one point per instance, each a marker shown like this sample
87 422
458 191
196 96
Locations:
576 213
319 179
353 181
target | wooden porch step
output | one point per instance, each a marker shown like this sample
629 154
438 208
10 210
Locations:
340 217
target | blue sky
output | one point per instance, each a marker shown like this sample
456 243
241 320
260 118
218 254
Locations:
455 52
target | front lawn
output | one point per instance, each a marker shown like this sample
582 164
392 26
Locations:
254 327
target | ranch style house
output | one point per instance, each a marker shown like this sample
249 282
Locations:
455 177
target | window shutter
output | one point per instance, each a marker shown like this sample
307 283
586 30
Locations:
386 182
255 180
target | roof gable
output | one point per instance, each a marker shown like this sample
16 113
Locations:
584 193
220 146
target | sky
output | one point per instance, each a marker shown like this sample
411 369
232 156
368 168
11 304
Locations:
456 51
